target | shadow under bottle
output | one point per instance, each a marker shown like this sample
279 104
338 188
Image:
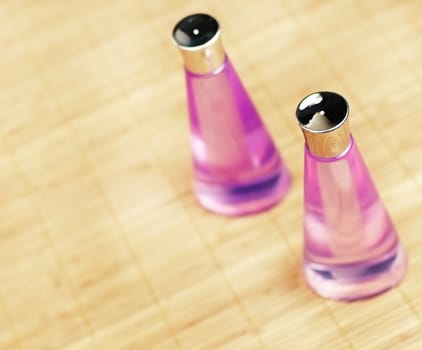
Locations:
351 248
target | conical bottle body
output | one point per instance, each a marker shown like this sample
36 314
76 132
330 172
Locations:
237 169
351 248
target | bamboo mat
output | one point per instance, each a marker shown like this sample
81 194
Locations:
102 245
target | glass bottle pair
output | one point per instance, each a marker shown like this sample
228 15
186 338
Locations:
351 249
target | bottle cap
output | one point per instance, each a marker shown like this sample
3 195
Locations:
324 119
198 38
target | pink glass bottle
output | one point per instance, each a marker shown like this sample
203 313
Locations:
351 248
237 169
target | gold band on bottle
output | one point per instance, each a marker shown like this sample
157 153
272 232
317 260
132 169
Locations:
328 143
205 58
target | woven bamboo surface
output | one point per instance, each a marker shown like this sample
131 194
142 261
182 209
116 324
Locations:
102 245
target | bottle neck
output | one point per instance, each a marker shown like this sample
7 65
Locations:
204 59
328 143
339 156
216 71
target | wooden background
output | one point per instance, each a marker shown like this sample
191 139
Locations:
102 245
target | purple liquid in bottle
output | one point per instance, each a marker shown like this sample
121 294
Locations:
237 169
351 248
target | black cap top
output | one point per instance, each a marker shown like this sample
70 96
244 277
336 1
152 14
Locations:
195 30
333 106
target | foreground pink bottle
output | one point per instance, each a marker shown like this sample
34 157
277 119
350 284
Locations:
237 169
351 249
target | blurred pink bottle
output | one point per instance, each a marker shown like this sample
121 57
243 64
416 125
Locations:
351 248
237 169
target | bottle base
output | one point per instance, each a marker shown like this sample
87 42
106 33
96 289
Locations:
357 281
244 199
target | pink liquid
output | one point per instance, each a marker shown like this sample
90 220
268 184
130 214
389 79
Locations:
237 169
351 249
